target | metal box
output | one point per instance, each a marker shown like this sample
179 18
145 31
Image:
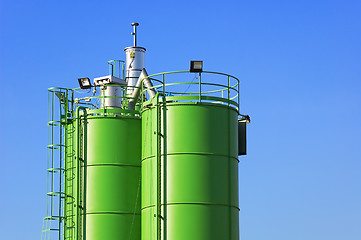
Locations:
242 143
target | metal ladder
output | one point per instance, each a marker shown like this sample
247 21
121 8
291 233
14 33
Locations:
53 222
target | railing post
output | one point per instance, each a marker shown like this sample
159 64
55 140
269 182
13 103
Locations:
164 135
123 71
163 84
119 68
141 98
239 110
158 181
103 99
222 95
200 87
228 91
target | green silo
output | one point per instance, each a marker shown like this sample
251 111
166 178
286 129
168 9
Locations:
113 144
190 168
106 170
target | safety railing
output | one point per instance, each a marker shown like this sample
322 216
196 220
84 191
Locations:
177 87
207 87
117 68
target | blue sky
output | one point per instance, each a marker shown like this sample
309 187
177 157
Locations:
300 67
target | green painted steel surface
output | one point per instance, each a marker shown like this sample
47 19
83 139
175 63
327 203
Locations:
113 178
190 172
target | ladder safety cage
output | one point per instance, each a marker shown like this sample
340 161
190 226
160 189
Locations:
62 177
57 114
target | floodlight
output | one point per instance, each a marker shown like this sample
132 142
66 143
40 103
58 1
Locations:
84 83
196 66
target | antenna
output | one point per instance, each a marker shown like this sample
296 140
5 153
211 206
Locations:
135 33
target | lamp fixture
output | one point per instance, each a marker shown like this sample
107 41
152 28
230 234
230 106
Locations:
84 83
196 66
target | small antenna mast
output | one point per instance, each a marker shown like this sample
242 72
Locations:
135 33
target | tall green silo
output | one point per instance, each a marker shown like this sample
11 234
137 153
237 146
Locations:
112 189
190 166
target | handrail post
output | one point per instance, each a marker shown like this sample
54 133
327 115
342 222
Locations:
228 91
164 135
239 93
142 98
200 87
222 95
123 70
103 99
119 68
163 84
158 180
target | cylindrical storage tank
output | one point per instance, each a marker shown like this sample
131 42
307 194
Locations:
115 93
112 193
189 172
134 64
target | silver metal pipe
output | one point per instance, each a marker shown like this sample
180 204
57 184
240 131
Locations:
143 78
148 84
134 33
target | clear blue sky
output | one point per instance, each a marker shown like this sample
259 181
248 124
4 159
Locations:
300 66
